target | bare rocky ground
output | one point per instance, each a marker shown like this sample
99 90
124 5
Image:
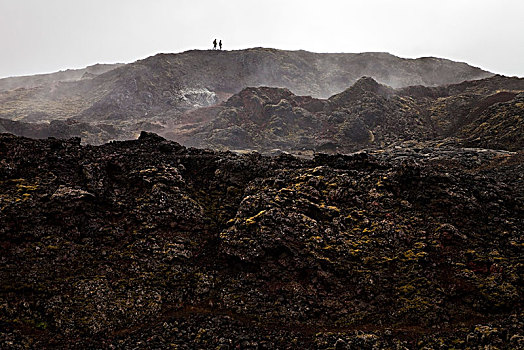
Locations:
115 102
411 238
482 113
148 244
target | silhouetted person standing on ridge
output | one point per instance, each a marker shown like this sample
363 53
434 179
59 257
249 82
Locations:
215 44
220 44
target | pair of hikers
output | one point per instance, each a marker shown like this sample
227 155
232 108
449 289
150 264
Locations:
215 44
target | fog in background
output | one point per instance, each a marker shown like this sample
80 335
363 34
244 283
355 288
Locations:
44 36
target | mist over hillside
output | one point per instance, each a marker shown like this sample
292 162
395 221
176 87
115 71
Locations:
31 81
159 93
366 115
161 85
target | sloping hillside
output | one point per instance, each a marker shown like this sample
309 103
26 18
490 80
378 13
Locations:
30 81
366 115
156 88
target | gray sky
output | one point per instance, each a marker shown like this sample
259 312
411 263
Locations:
38 36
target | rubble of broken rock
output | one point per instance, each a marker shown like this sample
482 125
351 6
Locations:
148 244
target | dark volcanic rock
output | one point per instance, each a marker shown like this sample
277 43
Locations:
484 113
92 134
148 244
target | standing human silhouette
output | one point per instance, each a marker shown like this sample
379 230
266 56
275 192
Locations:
220 44
215 44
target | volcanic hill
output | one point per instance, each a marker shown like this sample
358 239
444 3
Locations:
150 93
366 115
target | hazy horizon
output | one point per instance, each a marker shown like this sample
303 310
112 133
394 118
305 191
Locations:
247 48
45 37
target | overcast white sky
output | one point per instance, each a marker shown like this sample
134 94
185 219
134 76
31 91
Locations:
38 36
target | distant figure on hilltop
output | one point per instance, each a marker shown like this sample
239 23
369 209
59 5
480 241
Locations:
220 44
215 44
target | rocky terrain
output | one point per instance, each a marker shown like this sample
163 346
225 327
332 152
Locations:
366 115
389 217
90 133
486 113
148 244
151 94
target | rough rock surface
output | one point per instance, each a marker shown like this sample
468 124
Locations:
499 125
157 89
64 129
148 244
483 113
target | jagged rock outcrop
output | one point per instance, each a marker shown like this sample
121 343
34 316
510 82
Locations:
148 244
366 115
